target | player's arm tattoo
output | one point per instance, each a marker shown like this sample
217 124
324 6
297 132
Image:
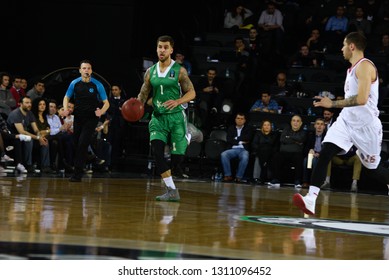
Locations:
185 83
347 102
146 87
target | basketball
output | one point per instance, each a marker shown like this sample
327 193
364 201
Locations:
132 110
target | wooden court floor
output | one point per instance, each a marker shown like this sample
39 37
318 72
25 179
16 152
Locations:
118 218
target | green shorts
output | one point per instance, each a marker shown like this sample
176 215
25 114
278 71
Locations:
171 129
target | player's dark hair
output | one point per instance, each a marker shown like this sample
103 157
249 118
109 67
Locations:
358 39
166 38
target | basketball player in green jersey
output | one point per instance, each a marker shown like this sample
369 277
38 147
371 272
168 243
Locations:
172 89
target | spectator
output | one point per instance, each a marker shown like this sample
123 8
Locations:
239 138
56 138
7 137
304 58
7 101
264 145
266 104
68 141
335 30
281 87
292 143
315 42
234 19
348 159
209 98
271 29
37 90
40 109
16 89
180 59
359 23
317 46
22 121
329 117
117 124
24 84
313 147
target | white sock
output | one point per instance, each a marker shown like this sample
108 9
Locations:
328 178
313 192
169 182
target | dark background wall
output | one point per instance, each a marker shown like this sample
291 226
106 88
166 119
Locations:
42 36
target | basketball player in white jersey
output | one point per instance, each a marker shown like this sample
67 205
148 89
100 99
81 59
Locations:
358 123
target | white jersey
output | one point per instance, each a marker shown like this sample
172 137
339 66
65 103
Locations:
362 115
359 125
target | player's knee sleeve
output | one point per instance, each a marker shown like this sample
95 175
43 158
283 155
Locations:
158 149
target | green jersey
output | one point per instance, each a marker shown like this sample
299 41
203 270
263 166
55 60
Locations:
165 87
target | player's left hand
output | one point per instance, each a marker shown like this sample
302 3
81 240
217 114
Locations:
322 102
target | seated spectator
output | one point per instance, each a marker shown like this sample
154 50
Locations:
236 17
383 47
7 101
317 46
117 124
359 23
271 29
209 98
22 121
17 90
264 145
304 58
335 30
265 104
8 138
40 109
315 42
348 159
57 138
180 59
329 117
239 58
238 138
68 141
292 141
313 147
37 90
281 87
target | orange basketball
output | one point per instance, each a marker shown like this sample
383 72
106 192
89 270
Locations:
132 110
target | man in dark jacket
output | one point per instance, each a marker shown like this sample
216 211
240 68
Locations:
292 143
238 138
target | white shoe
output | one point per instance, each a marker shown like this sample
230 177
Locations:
20 167
6 158
271 185
354 187
306 204
26 138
